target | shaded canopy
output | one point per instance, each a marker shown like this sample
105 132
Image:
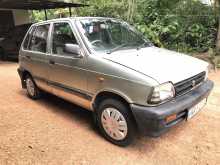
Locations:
36 4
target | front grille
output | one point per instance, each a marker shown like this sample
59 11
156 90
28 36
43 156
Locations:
188 84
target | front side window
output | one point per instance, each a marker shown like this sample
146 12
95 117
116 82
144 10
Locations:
109 35
38 41
62 35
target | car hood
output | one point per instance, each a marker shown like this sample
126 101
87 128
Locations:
160 64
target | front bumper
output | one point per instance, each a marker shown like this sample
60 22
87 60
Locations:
151 121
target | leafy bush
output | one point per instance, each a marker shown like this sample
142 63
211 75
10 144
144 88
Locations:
181 25
186 26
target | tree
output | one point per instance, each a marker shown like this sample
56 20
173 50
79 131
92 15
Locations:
131 10
217 8
182 25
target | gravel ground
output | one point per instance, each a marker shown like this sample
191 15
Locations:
52 131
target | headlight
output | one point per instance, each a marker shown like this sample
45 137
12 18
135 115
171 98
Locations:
162 93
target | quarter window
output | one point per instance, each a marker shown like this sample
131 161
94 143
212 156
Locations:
62 34
39 39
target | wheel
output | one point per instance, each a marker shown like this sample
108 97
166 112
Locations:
116 122
32 90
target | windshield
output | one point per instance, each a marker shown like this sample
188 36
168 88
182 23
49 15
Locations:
109 35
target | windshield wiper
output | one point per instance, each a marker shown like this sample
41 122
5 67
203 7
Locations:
117 48
148 44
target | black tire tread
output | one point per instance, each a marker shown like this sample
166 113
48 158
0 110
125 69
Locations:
37 94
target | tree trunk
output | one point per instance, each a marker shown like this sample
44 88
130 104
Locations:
217 8
218 36
131 10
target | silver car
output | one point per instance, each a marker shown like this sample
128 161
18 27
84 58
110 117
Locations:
107 67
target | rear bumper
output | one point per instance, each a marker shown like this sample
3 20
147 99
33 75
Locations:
21 74
152 120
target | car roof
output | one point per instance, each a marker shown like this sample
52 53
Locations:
72 18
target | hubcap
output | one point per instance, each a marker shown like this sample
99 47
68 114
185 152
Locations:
30 87
114 123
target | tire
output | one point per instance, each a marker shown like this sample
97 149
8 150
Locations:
120 128
32 90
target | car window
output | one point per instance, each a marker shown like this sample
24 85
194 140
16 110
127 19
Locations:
27 39
38 40
116 32
109 35
62 34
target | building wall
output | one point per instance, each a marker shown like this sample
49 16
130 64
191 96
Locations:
10 18
6 22
21 17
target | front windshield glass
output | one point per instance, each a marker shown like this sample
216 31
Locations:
109 35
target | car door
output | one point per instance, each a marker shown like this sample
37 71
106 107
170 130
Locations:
67 75
34 54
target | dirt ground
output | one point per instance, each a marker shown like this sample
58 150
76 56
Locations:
52 131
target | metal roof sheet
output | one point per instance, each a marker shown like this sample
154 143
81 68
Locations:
36 4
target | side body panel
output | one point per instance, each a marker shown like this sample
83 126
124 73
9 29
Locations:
68 79
104 75
80 80
67 76
36 63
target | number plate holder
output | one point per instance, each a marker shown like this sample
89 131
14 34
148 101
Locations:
196 109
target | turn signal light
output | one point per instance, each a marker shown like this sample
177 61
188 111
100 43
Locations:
171 118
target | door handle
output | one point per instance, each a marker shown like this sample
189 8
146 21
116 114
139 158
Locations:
51 62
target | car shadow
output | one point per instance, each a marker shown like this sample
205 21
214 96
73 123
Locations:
10 59
68 110
84 118
8 62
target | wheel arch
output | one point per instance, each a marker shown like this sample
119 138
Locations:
104 94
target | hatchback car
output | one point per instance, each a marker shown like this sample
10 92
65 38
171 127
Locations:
107 67
11 43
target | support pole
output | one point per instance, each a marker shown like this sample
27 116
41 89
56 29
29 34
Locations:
70 11
45 12
76 10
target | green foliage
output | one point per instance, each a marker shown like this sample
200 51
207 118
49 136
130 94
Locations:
182 25
37 16
214 57
186 26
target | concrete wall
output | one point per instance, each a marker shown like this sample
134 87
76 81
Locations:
21 17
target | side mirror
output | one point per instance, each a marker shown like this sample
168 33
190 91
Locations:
73 49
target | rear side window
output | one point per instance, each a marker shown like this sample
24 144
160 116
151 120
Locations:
27 39
38 41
